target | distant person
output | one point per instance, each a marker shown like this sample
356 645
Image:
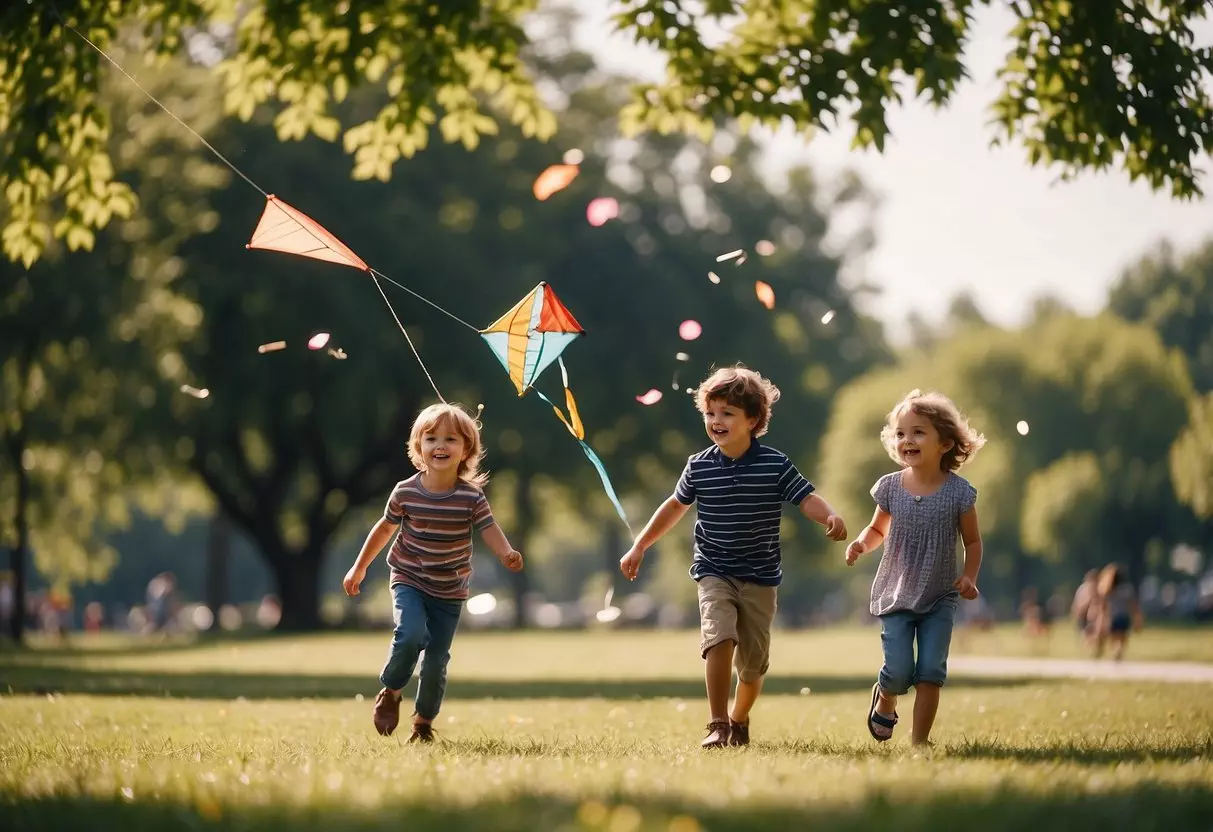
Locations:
921 511
1084 609
1033 615
435 512
161 601
1118 611
739 485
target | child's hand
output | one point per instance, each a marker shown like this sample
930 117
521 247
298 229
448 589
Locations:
968 589
629 564
835 528
353 579
856 549
511 560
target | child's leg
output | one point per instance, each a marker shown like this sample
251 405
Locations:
897 673
442 619
718 635
757 611
408 639
931 670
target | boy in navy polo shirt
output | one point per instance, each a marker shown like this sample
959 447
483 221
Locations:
740 486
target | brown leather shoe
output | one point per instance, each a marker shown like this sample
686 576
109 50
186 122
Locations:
739 732
718 734
386 715
422 732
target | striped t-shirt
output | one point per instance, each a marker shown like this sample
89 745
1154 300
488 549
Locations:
740 507
433 549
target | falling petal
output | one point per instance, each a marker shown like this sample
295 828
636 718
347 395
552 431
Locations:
741 259
740 252
555 178
721 174
272 346
1022 427
338 353
195 392
318 341
766 295
712 276
681 356
573 156
651 397
689 330
600 210
765 248
827 317
610 595
608 615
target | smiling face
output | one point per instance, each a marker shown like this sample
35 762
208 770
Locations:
442 448
917 441
728 426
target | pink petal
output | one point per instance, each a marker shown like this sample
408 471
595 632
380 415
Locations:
689 330
651 397
318 341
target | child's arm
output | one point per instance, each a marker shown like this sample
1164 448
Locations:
665 518
379 535
819 511
871 537
970 533
510 557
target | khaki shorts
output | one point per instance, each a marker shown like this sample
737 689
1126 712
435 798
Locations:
740 612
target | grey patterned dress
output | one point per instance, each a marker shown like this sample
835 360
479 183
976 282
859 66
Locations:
918 566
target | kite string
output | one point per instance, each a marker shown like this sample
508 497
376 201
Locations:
404 332
450 315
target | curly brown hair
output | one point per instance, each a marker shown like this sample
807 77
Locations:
741 387
948 422
461 422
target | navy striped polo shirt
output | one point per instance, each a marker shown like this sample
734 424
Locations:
740 507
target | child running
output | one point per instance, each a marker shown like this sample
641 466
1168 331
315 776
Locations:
739 485
435 511
920 509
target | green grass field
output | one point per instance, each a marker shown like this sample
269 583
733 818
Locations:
584 731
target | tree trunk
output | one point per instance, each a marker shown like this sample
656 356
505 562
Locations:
218 556
19 554
298 580
524 516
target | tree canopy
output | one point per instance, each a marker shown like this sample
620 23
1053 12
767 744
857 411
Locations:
1086 86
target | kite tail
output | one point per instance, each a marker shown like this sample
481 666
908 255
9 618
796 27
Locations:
578 430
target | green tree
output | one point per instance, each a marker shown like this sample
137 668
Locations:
1086 86
1192 460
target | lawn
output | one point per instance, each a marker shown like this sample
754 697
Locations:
579 731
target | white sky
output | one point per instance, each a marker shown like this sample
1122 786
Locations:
958 215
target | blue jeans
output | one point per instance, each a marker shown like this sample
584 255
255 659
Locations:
933 628
423 623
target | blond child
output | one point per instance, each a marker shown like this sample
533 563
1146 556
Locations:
739 485
432 515
921 509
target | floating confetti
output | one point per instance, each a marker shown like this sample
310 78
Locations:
555 178
731 255
766 295
689 330
765 248
608 615
721 174
827 317
319 341
740 260
272 346
1022 427
651 397
573 156
195 392
681 356
338 353
601 210
712 276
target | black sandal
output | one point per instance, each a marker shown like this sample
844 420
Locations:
875 719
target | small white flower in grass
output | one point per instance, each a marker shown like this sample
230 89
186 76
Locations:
128 793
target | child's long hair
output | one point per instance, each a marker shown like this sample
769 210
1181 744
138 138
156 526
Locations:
1110 578
461 422
948 422
742 388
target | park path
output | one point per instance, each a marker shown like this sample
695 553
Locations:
1081 669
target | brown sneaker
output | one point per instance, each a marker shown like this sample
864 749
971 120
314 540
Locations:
386 715
739 732
422 732
718 734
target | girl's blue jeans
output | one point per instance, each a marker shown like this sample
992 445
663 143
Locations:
424 624
933 632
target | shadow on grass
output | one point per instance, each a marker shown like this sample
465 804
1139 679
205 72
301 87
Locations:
218 685
1137 806
1200 745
